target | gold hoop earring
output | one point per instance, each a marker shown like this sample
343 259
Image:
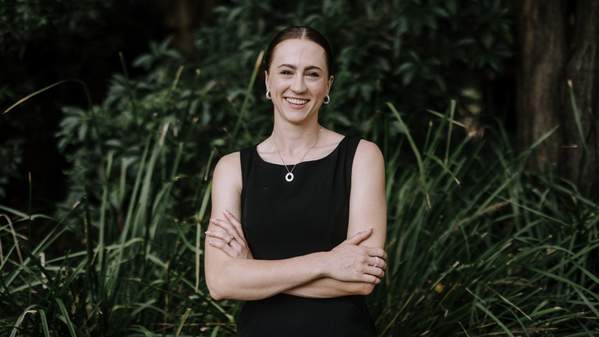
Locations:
327 99
268 96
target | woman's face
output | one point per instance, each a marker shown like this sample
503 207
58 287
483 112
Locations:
298 79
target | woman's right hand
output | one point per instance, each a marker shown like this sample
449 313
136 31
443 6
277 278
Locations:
351 262
227 235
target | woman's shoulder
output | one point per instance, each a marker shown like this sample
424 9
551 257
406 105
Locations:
368 168
228 165
227 173
366 150
229 160
368 155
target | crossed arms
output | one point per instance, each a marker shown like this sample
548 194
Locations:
354 267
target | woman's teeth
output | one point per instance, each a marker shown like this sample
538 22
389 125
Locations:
296 101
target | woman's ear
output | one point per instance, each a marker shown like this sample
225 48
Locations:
266 79
331 78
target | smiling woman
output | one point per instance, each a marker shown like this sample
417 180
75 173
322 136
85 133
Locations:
299 80
298 221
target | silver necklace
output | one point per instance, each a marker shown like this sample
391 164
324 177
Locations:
289 176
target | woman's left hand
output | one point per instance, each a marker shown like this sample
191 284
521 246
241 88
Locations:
227 235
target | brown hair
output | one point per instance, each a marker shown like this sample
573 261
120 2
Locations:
299 32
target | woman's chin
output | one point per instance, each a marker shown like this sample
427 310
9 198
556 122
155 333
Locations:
296 116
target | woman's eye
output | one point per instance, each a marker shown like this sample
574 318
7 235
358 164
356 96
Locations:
285 72
313 74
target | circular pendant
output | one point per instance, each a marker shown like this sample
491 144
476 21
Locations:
289 177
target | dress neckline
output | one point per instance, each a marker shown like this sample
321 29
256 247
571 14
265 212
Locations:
302 162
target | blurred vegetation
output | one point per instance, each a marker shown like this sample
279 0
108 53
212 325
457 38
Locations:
477 245
203 98
43 42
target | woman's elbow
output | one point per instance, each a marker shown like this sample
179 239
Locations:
217 281
216 288
215 293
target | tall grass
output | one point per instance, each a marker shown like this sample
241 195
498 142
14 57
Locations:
480 247
477 246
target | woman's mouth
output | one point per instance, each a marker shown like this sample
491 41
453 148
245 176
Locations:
297 102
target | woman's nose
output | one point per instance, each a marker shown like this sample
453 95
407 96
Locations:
298 84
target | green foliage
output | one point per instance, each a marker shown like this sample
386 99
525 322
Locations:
477 246
132 110
21 20
11 152
418 53
411 52
119 276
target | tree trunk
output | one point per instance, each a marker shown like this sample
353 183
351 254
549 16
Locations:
558 49
182 17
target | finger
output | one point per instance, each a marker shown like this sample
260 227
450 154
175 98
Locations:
360 236
370 279
219 235
230 223
228 239
235 222
383 265
237 248
377 262
233 249
223 246
374 271
228 228
378 252
220 232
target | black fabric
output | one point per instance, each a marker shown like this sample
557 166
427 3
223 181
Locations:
286 219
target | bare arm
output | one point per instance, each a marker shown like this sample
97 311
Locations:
368 208
324 287
228 237
327 287
248 279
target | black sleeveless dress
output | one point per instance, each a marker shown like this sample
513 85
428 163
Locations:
285 219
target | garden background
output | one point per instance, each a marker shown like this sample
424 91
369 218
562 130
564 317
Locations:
113 113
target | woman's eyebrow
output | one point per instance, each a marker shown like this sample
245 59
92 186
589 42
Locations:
294 67
313 67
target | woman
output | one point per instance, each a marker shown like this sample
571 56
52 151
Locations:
298 221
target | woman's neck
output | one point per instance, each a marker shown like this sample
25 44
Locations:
294 140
